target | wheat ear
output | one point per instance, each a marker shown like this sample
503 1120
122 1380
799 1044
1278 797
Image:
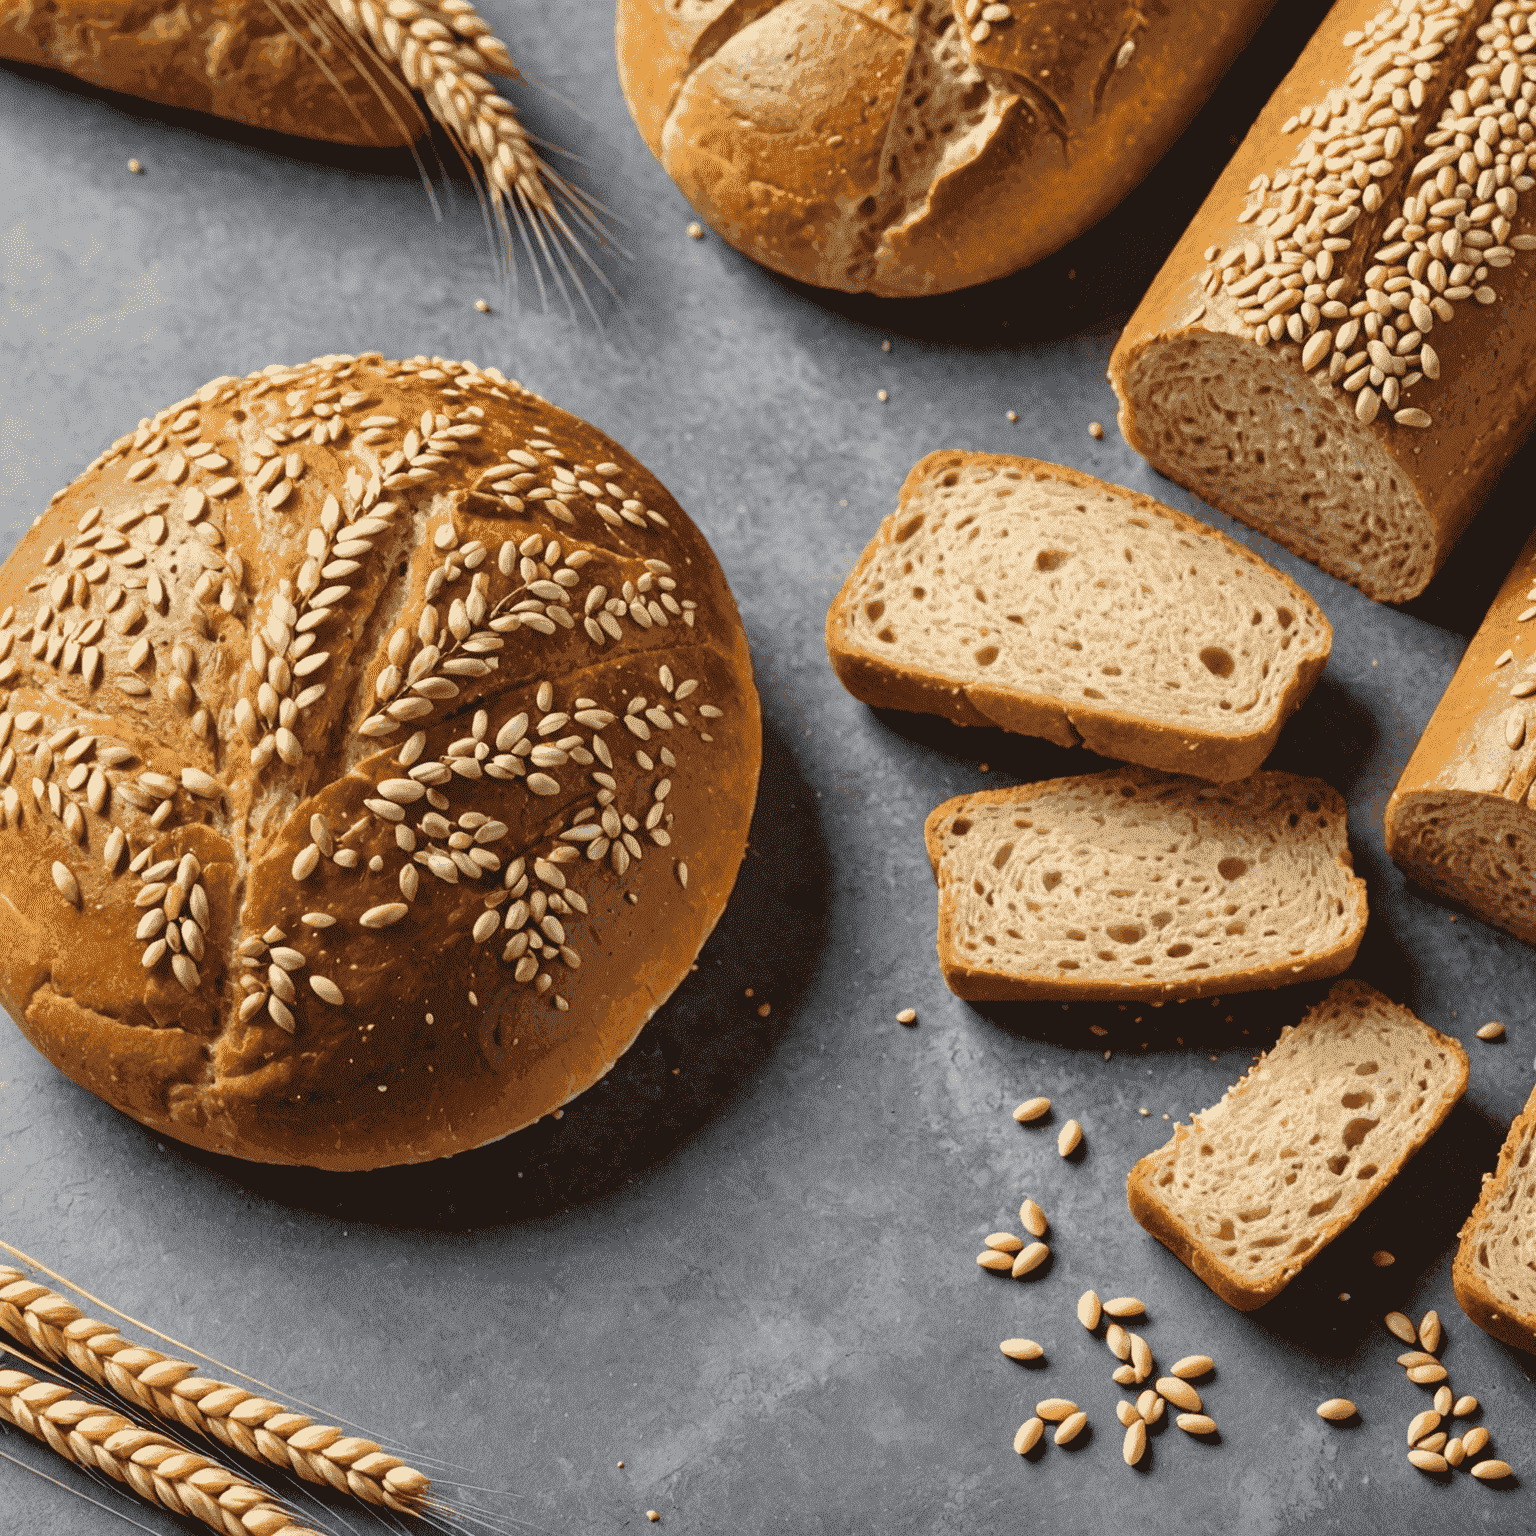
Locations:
179 1480
173 1389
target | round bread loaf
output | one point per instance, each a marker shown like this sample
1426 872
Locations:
916 146
378 749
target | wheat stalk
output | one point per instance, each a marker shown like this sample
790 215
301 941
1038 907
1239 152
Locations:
176 1479
173 1389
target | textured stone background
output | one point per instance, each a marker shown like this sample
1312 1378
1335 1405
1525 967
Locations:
743 1264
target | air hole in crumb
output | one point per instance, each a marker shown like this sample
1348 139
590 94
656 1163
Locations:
911 526
1356 1100
888 635
1002 856
1357 1130
1286 617
1051 880
1367 1172
1175 951
986 656
961 825
1337 1165
1217 661
1127 933
1232 868
1049 559
874 610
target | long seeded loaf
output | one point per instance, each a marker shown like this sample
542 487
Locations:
1495 1269
1341 350
1460 821
1134 884
1262 1182
1004 591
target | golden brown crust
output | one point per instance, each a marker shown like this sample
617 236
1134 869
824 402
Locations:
1110 732
1465 763
264 665
1479 399
977 984
797 128
1196 1253
231 58
1472 1289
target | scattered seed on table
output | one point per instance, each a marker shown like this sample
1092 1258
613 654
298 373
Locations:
1415 1357
1434 1442
1427 1375
1401 1326
1493 1030
1069 1138
1135 1445
1192 1366
1004 1242
1054 1409
1336 1409
1381 1258
1141 1356
1455 1452
1033 1218
1429 1331
1196 1423
1430 1461
1124 1376
1071 1427
1124 1306
1421 1424
1030 1259
1488 1471
1089 1310
1032 1109
1179 1393
1126 1413
998 1263
1443 1401
907 1016
1021 1349
1464 1406
1028 1436
1475 1439
1119 1341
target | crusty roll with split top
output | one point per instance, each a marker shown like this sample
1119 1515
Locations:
1341 351
377 750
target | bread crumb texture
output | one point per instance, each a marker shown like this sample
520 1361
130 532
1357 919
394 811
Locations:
345 696
1135 884
1260 1183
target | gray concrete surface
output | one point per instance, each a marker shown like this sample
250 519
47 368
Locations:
742 1265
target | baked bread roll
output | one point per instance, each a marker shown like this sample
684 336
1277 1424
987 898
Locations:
1254 1188
378 749
233 58
1495 1270
1460 820
1009 592
918 146
1137 885
1341 351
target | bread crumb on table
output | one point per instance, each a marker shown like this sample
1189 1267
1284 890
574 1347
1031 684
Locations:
695 231
882 395
135 168
482 306
1012 415
1381 1258
652 1516
885 346
1095 429
907 1016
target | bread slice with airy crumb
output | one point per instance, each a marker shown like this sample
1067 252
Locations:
1008 592
1134 884
1495 1270
1258 1185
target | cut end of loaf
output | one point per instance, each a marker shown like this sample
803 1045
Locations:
1495 1270
1248 432
1259 1184
1140 885
1474 849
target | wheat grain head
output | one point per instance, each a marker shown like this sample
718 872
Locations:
174 1390
164 1474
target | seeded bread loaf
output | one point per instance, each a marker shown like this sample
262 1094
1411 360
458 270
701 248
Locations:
1004 591
1135 884
1460 821
918 146
1257 1186
377 750
1341 351
268 66
1495 1270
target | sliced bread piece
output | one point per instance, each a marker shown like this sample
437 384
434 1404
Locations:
1495 1269
1263 1181
1008 592
1135 884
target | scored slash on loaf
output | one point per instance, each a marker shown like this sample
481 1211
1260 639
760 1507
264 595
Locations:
1338 352
360 725
1004 591
1135 884
1259 1184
